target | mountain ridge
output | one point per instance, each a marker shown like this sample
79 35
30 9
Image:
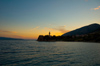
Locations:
83 30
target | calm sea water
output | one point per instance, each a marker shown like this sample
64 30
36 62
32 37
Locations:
33 53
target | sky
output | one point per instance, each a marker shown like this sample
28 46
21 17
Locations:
28 19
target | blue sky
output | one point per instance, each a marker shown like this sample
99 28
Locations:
33 16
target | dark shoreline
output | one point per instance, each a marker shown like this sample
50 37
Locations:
69 41
93 37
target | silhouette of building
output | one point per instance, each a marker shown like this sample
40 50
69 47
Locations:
49 33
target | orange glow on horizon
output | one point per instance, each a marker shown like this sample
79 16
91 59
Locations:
29 34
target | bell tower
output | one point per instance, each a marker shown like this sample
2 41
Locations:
49 33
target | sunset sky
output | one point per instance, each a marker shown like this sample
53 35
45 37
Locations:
28 19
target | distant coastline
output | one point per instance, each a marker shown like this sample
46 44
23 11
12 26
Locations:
7 38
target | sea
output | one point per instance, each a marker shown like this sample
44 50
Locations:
34 53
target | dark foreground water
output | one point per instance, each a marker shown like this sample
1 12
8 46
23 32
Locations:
33 53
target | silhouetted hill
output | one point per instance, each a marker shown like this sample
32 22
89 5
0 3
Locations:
6 38
84 30
97 31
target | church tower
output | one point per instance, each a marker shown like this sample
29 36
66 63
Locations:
49 33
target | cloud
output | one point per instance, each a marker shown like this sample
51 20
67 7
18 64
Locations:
18 36
97 8
61 29
4 31
48 28
36 27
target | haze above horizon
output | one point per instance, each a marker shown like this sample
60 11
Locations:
30 18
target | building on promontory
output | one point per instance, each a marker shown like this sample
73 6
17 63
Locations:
44 38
